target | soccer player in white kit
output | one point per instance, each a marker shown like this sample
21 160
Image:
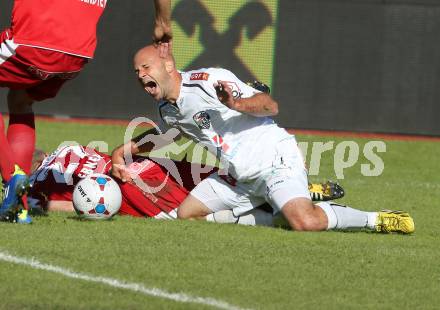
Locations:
262 161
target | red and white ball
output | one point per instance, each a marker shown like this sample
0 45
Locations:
97 197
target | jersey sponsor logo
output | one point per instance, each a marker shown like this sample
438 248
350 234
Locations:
99 3
236 91
202 120
199 76
90 165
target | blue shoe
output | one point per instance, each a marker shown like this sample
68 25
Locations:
23 217
17 186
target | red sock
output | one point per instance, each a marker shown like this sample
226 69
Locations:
21 137
25 202
6 157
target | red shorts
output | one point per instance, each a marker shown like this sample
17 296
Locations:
162 194
40 72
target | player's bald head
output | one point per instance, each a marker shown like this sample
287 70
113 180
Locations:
151 52
147 51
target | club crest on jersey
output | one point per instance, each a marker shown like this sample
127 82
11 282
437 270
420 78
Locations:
202 120
200 76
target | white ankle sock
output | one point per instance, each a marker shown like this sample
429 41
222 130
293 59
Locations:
331 215
371 222
341 217
250 218
223 216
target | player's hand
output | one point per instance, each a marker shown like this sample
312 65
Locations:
121 172
119 169
224 94
163 38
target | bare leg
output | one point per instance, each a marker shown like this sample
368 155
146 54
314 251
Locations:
192 208
303 215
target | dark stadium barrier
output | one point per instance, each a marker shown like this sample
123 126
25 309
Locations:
359 65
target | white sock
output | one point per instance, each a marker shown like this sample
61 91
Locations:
342 217
251 218
371 222
223 216
331 215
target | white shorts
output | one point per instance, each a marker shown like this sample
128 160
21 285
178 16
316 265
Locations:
284 181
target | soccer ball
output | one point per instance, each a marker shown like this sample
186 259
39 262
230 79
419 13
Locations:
97 197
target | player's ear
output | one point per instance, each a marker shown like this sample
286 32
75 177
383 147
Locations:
169 65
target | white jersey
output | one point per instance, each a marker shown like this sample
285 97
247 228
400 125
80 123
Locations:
244 141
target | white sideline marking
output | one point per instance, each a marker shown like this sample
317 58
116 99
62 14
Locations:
155 292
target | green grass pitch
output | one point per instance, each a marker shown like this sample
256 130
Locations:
248 267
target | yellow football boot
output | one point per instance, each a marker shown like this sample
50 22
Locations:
23 217
394 221
325 191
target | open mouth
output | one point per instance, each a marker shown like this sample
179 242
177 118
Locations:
150 87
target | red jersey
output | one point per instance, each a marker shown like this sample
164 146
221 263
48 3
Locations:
158 195
67 26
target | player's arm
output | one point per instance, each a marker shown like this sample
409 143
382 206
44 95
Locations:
259 104
144 143
162 33
60 206
130 148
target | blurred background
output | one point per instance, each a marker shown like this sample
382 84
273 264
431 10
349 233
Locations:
355 65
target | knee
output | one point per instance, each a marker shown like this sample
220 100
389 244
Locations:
192 208
183 213
304 216
304 223
187 212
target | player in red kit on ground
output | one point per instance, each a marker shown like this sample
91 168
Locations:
48 43
154 192
158 194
